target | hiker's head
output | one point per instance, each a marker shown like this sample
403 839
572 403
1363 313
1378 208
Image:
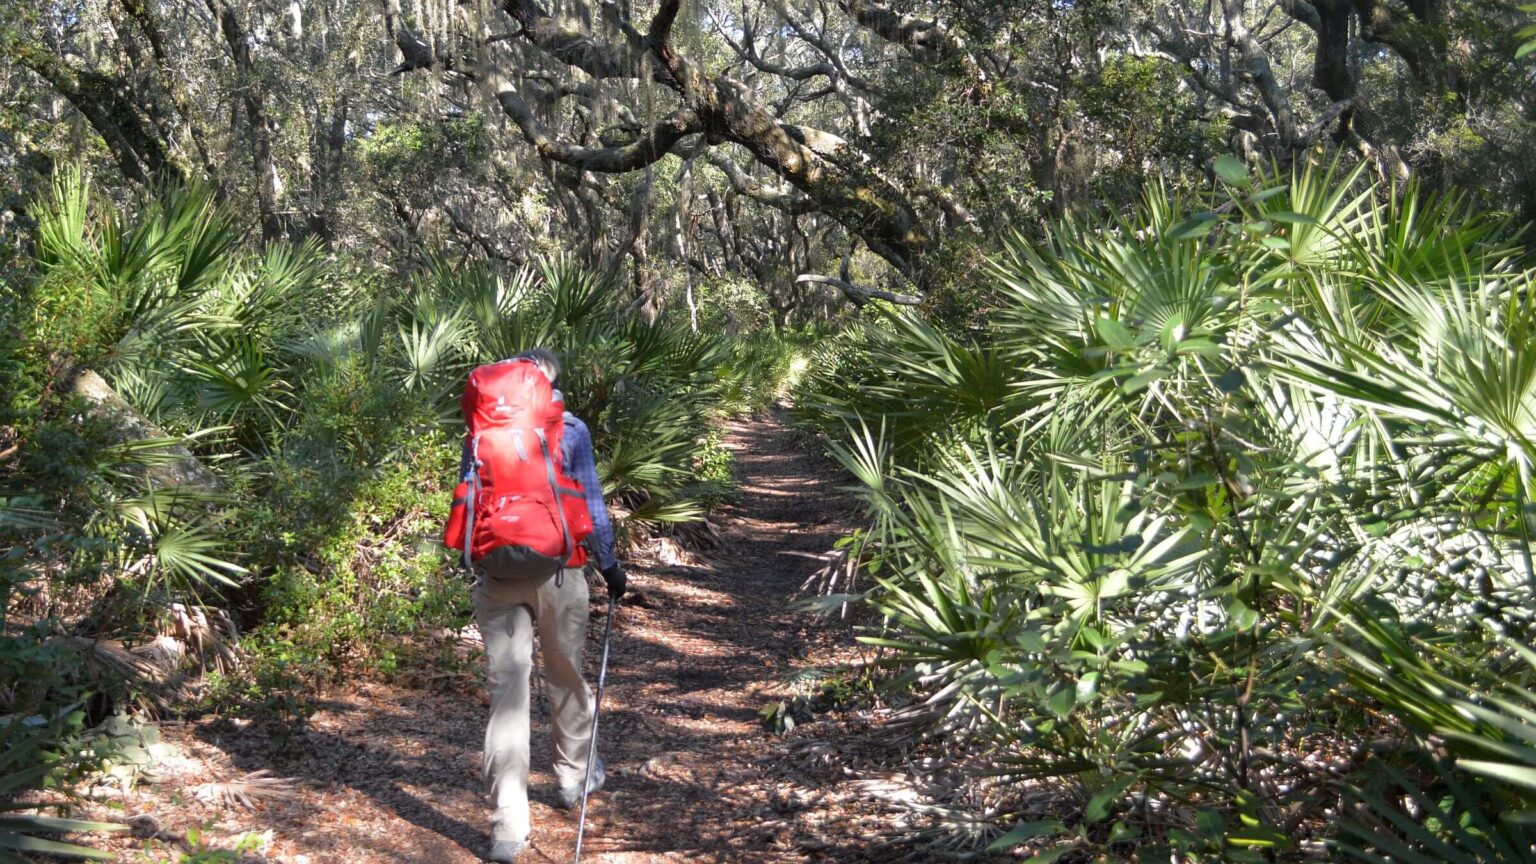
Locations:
545 359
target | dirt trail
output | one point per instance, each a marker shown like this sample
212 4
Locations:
390 773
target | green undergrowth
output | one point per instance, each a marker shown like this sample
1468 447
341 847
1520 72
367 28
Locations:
1213 502
766 369
319 399
815 692
715 470
355 580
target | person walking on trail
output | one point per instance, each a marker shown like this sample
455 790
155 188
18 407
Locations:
509 612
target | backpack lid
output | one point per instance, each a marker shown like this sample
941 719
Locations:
508 394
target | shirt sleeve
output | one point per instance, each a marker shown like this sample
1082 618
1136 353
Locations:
581 465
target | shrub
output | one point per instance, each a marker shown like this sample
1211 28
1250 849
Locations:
1116 536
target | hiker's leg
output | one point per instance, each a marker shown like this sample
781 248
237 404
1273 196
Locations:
562 625
508 634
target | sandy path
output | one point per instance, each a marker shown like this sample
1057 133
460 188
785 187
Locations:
389 773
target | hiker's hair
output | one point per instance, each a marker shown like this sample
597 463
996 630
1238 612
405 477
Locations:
546 360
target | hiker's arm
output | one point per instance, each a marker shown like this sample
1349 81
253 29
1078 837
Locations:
581 465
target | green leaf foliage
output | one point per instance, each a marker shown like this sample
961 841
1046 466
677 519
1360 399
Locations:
1223 481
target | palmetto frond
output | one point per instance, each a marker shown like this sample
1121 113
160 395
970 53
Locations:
172 544
63 238
268 297
650 449
1446 823
1316 212
1143 303
1418 239
193 556
433 350
1069 538
199 230
235 383
246 792
288 270
20 513
1484 711
574 293
921 380
865 455
30 753
1466 375
1177 457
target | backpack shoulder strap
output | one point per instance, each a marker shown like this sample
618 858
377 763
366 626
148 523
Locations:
474 497
554 488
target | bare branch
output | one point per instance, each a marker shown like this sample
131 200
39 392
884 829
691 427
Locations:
574 45
784 198
103 101
1302 11
461 223
814 39
661 23
859 294
746 49
1175 45
929 41
414 53
1256 66
1324 120
550 87
1402 30
643 151
826 173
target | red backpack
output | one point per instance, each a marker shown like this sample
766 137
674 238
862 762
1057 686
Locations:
516 515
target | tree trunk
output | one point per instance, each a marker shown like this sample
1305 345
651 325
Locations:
182 471
327 158
262 126
108 104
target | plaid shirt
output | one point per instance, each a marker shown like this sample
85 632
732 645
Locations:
580 464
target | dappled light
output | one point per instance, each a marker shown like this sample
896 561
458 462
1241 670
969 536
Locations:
640 431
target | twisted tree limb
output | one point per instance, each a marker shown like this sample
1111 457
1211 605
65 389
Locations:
859 294
107 103
646 149
825 172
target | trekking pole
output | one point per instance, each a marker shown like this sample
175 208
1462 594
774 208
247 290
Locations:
597 707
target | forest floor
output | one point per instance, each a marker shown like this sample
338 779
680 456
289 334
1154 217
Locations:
390 772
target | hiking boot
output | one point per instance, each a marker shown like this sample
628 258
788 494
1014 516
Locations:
506 851
570 796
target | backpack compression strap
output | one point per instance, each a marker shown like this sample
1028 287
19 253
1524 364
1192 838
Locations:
554 486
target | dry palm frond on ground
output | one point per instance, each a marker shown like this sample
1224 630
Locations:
246 792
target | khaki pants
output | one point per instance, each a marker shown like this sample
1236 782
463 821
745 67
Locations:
507 613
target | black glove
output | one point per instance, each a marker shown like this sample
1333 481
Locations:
613 574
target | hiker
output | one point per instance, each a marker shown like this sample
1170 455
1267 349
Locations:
508 612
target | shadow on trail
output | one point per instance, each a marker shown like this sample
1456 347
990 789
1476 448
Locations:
685 675
385 757
680 727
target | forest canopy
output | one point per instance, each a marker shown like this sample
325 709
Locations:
874 146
